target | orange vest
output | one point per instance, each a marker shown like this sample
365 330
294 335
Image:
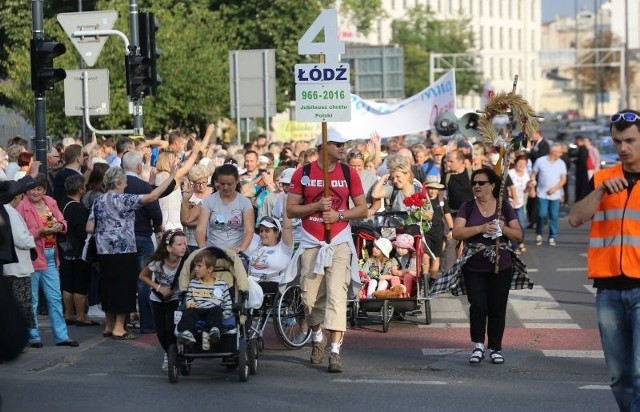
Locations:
614 239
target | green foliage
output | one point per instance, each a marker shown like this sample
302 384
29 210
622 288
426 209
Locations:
422 34
361 13
195 37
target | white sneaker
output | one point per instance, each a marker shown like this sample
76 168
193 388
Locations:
538 240
552 241
165 363
95 312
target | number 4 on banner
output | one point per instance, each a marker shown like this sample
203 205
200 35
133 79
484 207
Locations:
327 21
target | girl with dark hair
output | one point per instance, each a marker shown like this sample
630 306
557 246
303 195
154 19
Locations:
227 218
161 275
478 225
24 163
95 184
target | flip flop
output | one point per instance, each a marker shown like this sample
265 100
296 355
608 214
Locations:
107 334
125 336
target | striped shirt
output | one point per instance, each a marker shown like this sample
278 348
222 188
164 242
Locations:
209 295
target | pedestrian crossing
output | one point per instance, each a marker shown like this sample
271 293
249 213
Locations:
532 309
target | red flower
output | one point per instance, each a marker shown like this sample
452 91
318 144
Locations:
408 201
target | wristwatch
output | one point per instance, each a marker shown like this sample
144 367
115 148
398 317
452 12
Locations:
340 216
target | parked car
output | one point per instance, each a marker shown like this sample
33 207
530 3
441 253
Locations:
608 153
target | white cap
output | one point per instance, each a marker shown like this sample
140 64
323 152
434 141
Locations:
332 136
263 159
384 245
286 175
269 221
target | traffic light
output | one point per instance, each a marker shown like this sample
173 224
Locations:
138 80
43 75
147 27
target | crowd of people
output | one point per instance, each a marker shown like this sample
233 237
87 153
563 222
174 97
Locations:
148 203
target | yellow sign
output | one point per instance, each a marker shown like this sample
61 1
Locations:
290 130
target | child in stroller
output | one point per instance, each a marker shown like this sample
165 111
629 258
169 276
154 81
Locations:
208 301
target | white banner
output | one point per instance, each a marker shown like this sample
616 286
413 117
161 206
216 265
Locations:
411 115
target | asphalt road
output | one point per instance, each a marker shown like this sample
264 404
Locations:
553 361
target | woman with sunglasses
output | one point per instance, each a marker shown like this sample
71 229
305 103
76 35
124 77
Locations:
478 225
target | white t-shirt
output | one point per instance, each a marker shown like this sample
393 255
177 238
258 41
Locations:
226 222
170 205
278 213
520 183
163 276
267 263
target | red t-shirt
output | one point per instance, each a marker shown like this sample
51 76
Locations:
314 190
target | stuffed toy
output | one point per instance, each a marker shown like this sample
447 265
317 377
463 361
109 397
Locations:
396 291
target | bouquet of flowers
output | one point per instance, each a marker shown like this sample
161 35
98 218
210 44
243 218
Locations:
419 211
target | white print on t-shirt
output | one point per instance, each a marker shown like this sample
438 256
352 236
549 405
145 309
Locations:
234 221
332 183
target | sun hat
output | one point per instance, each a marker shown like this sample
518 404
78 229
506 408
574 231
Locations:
404 241
384 245
433 182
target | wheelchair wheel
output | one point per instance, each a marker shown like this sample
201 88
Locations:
289 319
253 356
386 315
243 363
172 357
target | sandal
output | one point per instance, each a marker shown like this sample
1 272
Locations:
496 357
476 356
125 336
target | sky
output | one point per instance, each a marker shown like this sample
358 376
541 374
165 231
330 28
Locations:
553 8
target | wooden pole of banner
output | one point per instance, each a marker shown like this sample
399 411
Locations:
325 170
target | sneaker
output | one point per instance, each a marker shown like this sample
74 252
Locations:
317 352
538 240
96 312
214 335
335 363
165 363
186 337
552 241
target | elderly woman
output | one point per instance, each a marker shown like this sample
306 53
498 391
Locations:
479 225
45 221
112 222
196 189
227 218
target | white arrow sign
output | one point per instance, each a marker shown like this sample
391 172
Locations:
89 47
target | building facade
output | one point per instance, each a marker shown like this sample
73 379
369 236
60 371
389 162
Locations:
507 39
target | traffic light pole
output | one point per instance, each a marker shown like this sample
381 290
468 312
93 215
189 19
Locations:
40 102
135 104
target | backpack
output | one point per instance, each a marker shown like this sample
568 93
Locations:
306 171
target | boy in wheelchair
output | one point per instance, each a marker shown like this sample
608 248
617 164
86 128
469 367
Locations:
208 301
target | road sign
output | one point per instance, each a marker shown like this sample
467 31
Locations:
89 47
99 101
323 102
252 76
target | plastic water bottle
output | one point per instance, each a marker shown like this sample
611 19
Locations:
205 341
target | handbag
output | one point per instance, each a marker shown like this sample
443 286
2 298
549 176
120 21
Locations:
62 240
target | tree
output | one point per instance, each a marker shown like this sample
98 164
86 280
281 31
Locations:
195 37
608 77
422 34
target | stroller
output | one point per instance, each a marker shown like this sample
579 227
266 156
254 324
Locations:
364 238
235 348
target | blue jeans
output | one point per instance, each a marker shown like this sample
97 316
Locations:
145 248
49 280
619 324
548 209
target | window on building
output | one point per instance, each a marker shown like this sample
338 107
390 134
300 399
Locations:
490 7
491 67
519 7
470 8
500 38
510 38
491 37
481 38
510 15
501 67
480 8
519 39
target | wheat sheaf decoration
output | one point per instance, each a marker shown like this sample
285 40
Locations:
514 106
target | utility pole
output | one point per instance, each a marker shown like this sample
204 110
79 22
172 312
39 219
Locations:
626 54
84 122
